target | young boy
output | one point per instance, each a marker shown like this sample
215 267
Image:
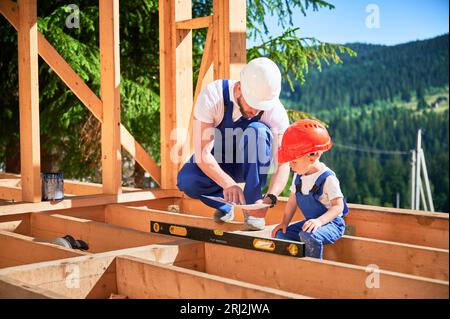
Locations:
315 189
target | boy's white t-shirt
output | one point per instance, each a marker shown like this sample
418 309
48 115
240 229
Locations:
210 108
331 186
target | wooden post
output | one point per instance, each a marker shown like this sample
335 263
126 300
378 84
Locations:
238 37
30 161
110 95
176 87
229 38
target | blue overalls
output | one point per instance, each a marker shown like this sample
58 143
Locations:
312 208
239 159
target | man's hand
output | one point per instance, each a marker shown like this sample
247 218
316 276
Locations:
312 225
234 194
277 228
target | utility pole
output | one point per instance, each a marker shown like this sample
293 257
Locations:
427 181
419 167
418 181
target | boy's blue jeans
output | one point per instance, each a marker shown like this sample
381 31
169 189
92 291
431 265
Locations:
327 234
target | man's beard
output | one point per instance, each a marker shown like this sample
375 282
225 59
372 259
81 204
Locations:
241 108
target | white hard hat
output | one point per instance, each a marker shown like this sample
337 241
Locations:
261 84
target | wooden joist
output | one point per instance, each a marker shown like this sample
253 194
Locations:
316 278
11 193
19 224
396 225
79 277
15 289
139 218
404 258
16 249
87 201
10 188
400 225
102 275
100 237
139 278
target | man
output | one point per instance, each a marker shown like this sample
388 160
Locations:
246 118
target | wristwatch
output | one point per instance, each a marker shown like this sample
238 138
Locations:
273 198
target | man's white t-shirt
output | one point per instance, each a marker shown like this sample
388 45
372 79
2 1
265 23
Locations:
210 108
331 187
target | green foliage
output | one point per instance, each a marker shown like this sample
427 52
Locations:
70 135
370 176
422 105
297 55
377 73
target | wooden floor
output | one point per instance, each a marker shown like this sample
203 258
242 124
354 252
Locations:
386 253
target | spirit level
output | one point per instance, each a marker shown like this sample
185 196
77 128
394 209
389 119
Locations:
217 236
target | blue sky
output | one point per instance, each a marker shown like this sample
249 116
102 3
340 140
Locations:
400 21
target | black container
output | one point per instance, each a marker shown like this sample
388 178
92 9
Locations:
52 186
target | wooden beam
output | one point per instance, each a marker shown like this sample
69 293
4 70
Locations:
139 219
207 60
79 277
196 23
11 193
140 154
176 87
19 224
399 225
230 51
396 225
15 289
17 250
166 204
237 37
316 278
404 258
86 201
11 183
99 236
83 92
137 278
221 20
110 93
96 273
30 156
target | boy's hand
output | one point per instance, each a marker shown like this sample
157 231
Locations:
277 228
312 225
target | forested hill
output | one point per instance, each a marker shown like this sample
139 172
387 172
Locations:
378 73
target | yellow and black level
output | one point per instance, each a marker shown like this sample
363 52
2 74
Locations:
217 236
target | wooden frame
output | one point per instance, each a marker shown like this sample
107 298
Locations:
113 135
409 247
30 158
226 25
134 277
396 225
30 250
404 258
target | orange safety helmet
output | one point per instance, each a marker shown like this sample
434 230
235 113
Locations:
301 138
